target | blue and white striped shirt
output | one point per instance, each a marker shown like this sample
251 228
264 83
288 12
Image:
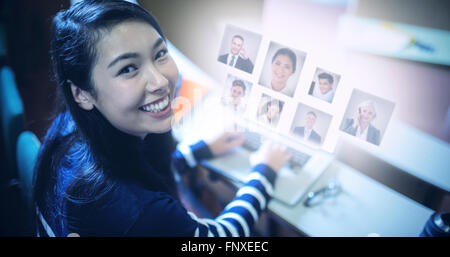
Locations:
131 210
239 216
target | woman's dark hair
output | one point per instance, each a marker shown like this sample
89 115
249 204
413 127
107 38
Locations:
275 102
112 154
289 53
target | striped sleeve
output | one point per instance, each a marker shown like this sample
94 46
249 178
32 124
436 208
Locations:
166 217
239 216
186 157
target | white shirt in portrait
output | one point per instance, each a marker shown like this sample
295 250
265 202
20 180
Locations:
362 135
328 96
306 133
230 56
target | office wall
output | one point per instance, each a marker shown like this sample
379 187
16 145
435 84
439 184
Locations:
196 27
430 13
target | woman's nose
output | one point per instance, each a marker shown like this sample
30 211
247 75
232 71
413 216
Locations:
156 81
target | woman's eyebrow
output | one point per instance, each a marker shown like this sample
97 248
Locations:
133 55
158 43
122 57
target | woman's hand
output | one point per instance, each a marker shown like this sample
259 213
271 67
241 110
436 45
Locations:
273 155
225 143
356 119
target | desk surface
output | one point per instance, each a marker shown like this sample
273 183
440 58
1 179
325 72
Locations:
364 207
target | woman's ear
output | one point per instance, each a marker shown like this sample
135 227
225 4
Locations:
82 97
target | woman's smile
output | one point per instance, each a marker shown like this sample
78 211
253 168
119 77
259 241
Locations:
158 108
279 75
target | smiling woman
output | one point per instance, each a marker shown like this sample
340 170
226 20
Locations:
284 62
105 167
142 87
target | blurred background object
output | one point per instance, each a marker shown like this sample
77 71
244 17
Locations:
438 225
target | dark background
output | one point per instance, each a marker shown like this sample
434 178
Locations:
26 32
27 26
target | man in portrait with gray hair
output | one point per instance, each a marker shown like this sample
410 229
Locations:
307 132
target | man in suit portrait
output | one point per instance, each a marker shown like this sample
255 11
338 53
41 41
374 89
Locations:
307 132
237 57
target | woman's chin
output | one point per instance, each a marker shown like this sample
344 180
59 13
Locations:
159 131
162 126
278 86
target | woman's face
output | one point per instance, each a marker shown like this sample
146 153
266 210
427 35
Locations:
281 71
367 113
134 78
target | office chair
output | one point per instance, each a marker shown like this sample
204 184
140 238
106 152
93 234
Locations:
12 121
28 146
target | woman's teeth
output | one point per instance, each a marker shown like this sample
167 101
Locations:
278 75
157 107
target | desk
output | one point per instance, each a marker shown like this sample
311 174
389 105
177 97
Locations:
364 207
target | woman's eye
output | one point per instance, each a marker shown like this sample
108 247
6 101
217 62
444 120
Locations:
127 69
161 54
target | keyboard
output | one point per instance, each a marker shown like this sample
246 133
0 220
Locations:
298 158
254 140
